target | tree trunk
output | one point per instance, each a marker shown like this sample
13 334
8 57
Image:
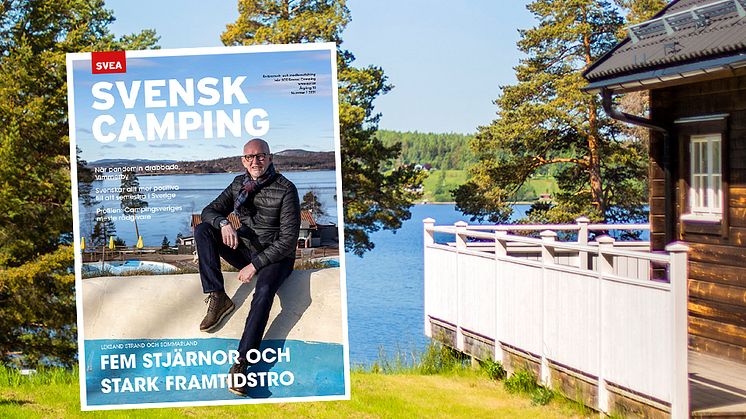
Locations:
594 152
137 232
594 160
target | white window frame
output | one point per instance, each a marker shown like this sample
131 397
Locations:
705 178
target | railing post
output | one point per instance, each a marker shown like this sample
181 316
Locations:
547 252
583 240
460 247
501 250
605 265
605 261
501 245
428 224
428 239
461 234
547 259
678 276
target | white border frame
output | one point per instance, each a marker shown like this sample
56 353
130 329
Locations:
326 46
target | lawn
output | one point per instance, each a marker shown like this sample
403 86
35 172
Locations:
466 393
439 183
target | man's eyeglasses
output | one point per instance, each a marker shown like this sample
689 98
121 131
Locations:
258 157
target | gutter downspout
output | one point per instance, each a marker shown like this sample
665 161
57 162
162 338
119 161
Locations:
667 153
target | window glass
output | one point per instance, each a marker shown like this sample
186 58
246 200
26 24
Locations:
705 190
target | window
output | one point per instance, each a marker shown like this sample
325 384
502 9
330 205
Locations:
706 183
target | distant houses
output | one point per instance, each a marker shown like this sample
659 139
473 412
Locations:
312 234
426 167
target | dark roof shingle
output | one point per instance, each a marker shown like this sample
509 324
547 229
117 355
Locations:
685 32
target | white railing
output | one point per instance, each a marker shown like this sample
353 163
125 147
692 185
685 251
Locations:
589 307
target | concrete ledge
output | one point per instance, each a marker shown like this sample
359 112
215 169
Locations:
308 307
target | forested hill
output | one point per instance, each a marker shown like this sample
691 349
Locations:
442 151
287 160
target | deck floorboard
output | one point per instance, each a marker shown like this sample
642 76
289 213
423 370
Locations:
717 387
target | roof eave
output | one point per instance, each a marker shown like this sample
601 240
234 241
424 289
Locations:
623 42
653 79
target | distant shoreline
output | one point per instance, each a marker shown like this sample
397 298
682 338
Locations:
454 203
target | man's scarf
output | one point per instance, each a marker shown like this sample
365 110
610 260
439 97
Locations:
250 185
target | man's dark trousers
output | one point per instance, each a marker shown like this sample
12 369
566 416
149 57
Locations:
210 248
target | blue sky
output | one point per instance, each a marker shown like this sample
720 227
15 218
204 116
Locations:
295 120
446 59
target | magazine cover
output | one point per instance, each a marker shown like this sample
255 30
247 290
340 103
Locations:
208 226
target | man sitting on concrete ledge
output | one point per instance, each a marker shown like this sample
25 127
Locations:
268 207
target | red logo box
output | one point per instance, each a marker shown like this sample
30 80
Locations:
108 62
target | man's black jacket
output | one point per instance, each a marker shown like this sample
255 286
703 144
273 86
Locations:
270 218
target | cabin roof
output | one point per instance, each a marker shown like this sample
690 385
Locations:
307 216
687 38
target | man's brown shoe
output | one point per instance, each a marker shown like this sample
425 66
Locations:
239 368
219 306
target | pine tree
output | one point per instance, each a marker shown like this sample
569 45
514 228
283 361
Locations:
86 177
547 120
102 229
37 314
637 11
373 198
310 202
131 198
636 103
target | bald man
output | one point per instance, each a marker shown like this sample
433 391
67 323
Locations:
263 247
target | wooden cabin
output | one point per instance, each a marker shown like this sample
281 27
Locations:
691 57
307 229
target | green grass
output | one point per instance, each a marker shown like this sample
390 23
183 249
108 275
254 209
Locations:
436 359
523 381
459 392
439 183
534 187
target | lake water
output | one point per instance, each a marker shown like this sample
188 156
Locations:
194 193
384 288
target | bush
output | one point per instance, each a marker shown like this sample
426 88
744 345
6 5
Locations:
522 381
541 396
436 359
493 369
439 358
307 265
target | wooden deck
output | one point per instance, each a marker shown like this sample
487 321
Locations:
717 387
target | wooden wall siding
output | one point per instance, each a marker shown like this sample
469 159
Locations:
717 267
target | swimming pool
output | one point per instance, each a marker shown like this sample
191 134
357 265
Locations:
122 267
330 262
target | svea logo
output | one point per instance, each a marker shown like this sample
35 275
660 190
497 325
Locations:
108 62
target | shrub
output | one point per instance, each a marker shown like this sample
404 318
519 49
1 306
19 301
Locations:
493 369
439 358
541 396
307 265
522 381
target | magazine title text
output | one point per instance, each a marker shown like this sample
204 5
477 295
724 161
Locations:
166 94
